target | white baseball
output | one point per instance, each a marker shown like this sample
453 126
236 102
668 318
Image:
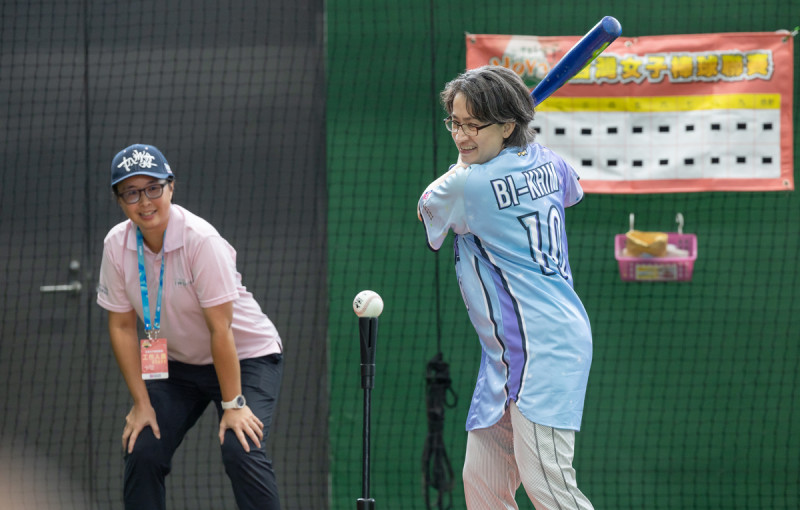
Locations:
368 304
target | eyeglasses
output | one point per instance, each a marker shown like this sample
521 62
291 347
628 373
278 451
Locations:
467 129
131 196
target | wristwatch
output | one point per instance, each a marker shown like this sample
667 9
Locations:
238 402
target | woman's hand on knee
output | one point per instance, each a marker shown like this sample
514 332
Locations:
244 424
139 417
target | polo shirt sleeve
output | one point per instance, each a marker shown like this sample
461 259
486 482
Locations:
441 207
111 293
213 264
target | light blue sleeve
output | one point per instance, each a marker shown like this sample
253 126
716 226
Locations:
441 207
573 192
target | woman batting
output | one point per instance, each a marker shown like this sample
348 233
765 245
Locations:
504 199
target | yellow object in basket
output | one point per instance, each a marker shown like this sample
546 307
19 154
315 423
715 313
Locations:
638 242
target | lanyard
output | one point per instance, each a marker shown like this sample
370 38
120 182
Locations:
151 330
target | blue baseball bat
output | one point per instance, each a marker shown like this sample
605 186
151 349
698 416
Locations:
578 57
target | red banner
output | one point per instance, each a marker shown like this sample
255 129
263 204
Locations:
664 114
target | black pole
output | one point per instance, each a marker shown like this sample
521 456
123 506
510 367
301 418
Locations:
368 331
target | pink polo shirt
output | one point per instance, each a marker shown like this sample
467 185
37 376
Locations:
200 272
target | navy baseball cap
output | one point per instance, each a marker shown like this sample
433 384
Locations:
140 159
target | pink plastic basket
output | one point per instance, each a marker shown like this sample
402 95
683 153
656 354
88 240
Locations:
657 269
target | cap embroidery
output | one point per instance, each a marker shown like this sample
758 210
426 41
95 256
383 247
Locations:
140 158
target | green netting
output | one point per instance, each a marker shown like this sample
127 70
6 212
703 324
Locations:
692 399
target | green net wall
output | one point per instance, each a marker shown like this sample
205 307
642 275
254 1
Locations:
692 400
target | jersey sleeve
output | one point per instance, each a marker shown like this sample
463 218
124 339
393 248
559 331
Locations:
441 207
573 192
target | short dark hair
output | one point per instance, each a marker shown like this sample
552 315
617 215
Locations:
498 95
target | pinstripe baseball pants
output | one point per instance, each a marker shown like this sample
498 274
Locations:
515 450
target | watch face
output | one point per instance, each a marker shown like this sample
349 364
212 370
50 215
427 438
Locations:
240 401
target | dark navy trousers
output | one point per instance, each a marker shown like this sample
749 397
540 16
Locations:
179 401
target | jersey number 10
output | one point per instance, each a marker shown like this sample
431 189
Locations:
546 241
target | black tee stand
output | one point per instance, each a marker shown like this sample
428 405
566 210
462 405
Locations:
368 330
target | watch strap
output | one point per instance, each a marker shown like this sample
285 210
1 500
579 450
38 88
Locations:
238 402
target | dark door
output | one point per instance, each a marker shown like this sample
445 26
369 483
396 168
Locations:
45 351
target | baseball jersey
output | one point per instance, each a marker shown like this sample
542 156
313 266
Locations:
199 272
513 269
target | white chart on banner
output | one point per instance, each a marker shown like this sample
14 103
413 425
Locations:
700 144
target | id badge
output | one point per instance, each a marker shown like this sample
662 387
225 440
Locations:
154 358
